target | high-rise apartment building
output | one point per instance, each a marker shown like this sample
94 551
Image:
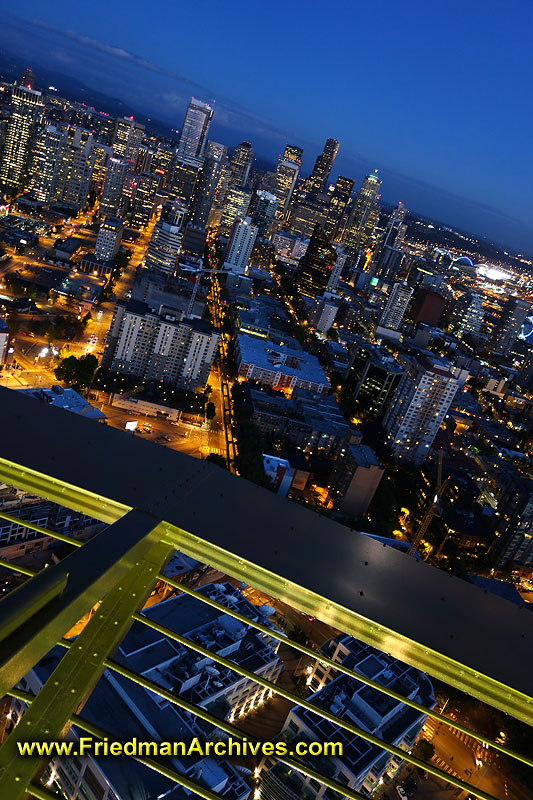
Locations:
396 307
467 314
240 244
315 267
127 139
26 115
235 206
417 409
144 200
193 137
160 346
241 164
510 324
262 211
114 182
316 182
109 238
164 247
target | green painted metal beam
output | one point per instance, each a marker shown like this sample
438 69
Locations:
41 611
65 692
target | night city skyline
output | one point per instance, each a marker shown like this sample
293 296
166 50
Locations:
450 143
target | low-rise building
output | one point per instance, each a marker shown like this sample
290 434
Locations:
279 366
354 480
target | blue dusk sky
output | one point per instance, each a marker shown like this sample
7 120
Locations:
437 96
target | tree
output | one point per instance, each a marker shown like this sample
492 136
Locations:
210 411
424 750
77 372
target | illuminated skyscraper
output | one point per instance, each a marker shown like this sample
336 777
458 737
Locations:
241 164
235 206
396 307
127 139
75 167
144 200
287 173
26 115
339 201
316 182
467 314
262 211
417 408
241 242
28 79
293 153
205 190
164 247
184 179
44 162
109 238
364 214
315 267
195 129
509 327
113 185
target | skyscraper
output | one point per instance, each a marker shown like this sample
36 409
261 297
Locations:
396 307
114 182
510 324
184 180
44 162
241 164
467 314
339 201
262 211
127 139
28 79
417 408
195 129
316 182
164 247
241 242
293 153
26 115
144 200
363 216
315 267
75 167
287 172
235 206
205 190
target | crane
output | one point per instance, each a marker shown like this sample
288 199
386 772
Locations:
440 488
199 274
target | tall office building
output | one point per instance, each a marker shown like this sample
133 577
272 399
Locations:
26 115
164 247
262 211
109 238
160 346
396 307
127 139
354 479
467 314
240 244
293 153
75 167
114 182
315 267
44 162
364 214
510 324
241 164
235 206
163 163
193 137
287 172
316 182
144 200
394 225
339 200
417 409
28 79
205 190
183 180
388 262
102 153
